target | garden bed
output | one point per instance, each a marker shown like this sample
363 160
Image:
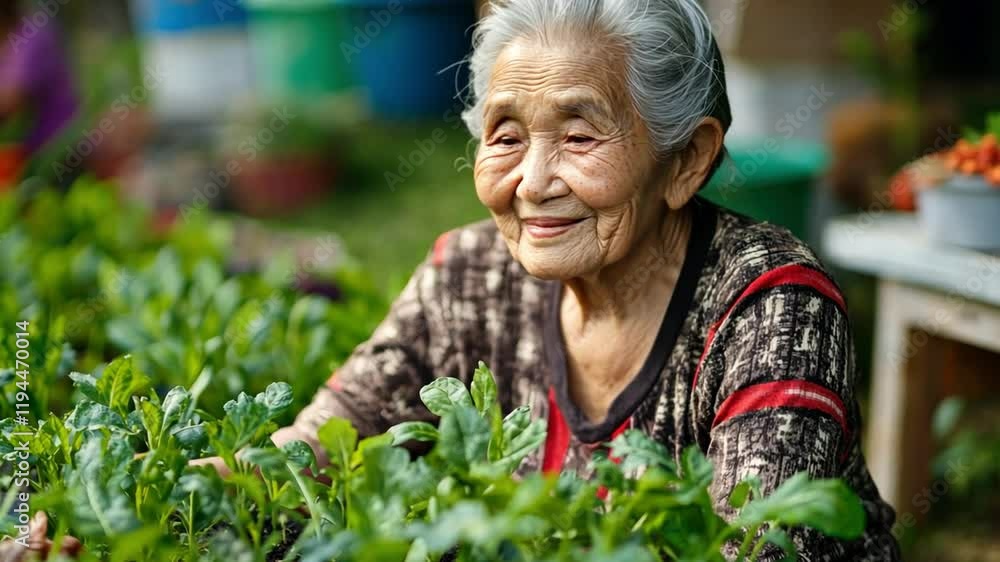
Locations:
145 351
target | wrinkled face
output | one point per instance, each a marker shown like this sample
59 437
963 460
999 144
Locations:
565 164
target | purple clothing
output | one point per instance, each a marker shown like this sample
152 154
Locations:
32 61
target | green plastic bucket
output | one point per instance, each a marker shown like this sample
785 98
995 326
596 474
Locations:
770 181
297 48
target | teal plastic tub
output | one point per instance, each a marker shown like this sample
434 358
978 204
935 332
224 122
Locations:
297 48
770 181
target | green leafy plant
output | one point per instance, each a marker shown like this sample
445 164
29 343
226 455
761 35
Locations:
114 472
95 281
138 342
966 461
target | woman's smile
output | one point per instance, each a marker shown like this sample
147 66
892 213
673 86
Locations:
541 228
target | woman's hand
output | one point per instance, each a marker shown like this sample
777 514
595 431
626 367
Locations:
280 438
215 462
39 546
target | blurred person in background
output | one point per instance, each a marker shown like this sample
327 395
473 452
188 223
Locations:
38 99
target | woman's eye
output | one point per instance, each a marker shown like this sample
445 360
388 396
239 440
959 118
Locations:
507 141
578 139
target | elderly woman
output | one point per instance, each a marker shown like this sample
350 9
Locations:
605 293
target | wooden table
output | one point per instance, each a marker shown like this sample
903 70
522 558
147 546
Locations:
938 306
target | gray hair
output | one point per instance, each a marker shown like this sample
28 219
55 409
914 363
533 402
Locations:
674 70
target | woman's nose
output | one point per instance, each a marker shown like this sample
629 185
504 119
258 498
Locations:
539 181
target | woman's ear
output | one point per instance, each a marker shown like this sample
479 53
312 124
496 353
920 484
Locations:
693 164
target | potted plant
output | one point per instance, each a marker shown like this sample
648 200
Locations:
958 190
279 161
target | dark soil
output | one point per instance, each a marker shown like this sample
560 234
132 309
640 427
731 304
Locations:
293 530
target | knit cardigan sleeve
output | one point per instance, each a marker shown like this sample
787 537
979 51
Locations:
777 398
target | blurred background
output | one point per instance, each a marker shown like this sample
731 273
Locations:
867 127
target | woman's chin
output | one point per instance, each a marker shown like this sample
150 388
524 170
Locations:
552 262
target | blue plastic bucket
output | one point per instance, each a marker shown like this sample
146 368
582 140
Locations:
400 49
171 16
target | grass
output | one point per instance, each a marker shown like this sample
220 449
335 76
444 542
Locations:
390 229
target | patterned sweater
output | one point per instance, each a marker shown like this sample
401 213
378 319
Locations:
753 362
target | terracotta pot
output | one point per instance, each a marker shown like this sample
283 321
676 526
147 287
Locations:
122 145
281 184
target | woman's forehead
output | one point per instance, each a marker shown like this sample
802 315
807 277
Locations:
585 81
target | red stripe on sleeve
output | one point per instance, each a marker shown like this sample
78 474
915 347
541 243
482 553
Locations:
437 255
799 275
784 394
557 440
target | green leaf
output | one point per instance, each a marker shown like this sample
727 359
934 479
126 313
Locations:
277 398
300 454
636 449
946 416
100 506
413 431
119 381
135 545
418 552
444 394
516 422
192 437
465 437
207 277
207 490
87 385
367 444
127 334
467 520
484 389
523 444
780 539
740 495
695 477
322 549
175 406
971 135
828 506
386 471
90 415
244 419
227 298
267 458
339 438
152 419
251 484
